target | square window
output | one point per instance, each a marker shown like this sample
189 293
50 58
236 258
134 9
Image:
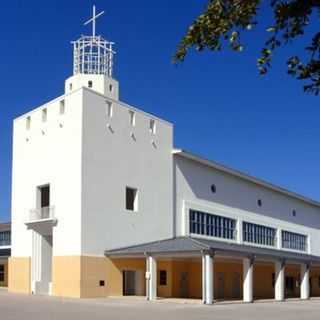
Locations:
163 278
44 115
132 117
62 107
28 123
131 199
109 109
152 126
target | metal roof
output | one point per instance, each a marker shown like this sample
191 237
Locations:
5 226
190 245
5 252
245 176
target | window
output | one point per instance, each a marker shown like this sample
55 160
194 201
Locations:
152 126
132 117
163 278
131 199
44 115
259 234
110 87
1 273
212 225
28 123
62 107
259 202
109 109
70 86
5 238
90 84
294 241
294 213
213 188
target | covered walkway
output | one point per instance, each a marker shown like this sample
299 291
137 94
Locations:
212 271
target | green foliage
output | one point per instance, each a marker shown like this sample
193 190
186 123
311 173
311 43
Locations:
223 21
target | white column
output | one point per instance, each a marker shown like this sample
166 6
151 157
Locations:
203 279
279 280
248 280
151 277
304 279
207 278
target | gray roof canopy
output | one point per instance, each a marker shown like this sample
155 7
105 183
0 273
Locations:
195 246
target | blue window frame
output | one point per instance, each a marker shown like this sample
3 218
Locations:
211 225
259 234
294 241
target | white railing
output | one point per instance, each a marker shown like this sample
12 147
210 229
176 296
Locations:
41 213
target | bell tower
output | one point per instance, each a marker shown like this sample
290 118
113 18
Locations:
93 63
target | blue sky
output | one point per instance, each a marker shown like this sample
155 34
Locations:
222 109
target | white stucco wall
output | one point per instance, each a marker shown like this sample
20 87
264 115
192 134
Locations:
48 153
237 198
112 160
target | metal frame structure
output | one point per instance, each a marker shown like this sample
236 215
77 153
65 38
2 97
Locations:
93 54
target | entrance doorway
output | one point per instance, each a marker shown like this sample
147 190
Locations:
184 285
236 284
220 293
133 282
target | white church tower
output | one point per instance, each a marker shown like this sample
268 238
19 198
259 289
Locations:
93 63
90 173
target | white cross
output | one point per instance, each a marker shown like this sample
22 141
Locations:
93 20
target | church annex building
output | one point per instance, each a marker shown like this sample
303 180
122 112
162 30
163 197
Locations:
103 204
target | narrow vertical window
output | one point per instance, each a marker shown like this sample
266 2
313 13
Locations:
62 107
109 109
132 118
152 126
131 199
28 123
89 84
163 277
44 115
70 86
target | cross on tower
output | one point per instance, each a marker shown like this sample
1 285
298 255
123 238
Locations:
93 20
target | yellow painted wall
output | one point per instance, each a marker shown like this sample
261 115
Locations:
315 281
5 282
165 290
66 273
79 277
262 281
115 267
19 274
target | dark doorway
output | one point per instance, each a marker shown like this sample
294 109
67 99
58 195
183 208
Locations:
129 282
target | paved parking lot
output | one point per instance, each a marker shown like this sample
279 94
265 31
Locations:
18 307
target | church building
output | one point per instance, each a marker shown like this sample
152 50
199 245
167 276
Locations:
104 204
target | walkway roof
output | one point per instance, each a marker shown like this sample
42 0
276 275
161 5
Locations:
185 246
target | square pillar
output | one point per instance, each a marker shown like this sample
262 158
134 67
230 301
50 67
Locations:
279 285
207 278
151 278
248 280
304 279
